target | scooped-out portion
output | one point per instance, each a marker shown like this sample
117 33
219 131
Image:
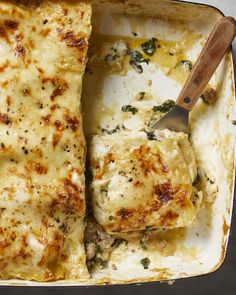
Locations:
143 179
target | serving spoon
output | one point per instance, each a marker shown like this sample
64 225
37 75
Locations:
213 52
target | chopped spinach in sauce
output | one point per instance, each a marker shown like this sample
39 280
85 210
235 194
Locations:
149 47
129 108
97 261
151 135
143 244
141 95
165 107
136 58
117 51
118 242
145 262
116 129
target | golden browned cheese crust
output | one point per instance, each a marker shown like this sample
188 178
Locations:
140 183
43 47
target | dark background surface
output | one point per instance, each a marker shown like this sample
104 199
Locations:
221 282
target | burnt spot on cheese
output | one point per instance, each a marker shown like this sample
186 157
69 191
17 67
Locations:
11 24
55 139
21 254
5 83
59 126
38 152
40 169
164 192
54 107
124 213
19 51
45 32
59 84
101 169
149 161
3 34
138 183
109 158
146 162
94 163
73 122
8 101
16 13
41 263
36 167
4 244
19 37
48 276
4 66
26 91
56 92
65 11
163 166
169 219
47 80
5 26
41 71
45 222
46 119
72 40
82 14
5 119
69 199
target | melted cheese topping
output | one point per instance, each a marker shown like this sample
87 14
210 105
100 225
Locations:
139 183
43 54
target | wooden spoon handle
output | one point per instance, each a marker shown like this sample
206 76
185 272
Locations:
214 50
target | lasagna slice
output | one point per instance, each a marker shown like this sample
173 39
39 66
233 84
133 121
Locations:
143 180
43 48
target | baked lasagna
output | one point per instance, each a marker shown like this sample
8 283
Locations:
143 179
43 48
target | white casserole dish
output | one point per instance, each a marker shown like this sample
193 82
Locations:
202 248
